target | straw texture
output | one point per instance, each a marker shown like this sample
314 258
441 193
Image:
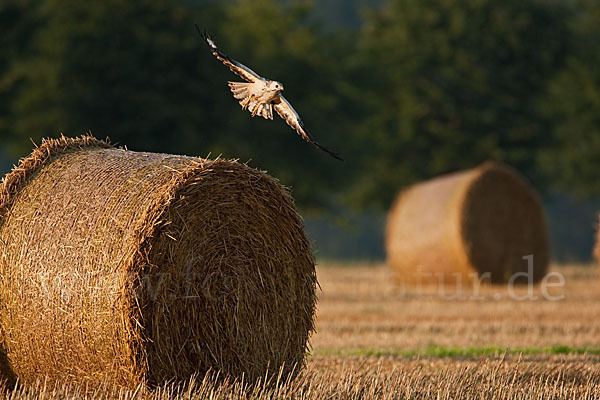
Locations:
126 267
457 227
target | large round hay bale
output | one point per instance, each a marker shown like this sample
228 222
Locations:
460 226
126 267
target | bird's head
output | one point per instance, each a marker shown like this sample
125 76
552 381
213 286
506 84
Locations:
276 86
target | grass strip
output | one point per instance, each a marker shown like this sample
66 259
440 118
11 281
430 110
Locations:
442 351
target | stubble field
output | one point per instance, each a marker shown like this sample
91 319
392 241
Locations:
364 310
379 339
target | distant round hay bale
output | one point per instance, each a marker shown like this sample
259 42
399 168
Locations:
477 221
126 267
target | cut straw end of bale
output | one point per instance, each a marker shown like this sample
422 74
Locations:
481 224
140 268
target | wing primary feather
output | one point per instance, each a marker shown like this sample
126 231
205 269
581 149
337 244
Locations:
237 68
291 117
331 153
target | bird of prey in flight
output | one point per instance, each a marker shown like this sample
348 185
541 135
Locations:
260 95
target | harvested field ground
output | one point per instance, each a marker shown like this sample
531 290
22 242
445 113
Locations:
376 339
363 310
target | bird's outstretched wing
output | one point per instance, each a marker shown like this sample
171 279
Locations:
237 68
287 112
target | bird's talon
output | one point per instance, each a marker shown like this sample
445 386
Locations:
245 103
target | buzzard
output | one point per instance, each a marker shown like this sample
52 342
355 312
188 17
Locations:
260 95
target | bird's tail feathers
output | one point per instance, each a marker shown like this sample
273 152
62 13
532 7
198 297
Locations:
239 89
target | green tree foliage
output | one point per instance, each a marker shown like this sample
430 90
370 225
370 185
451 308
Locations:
127 70
17 25
422 87
571 157
454 83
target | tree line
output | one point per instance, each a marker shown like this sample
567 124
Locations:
416 89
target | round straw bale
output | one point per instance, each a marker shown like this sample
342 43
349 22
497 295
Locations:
128 268
458 227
